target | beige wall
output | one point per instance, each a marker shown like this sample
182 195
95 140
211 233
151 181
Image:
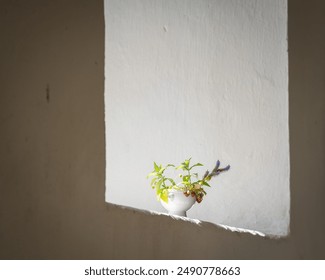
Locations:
52 152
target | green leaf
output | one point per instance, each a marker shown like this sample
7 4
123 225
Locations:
182 166
205 184
156 167
187 163
186 183
171 181
197 164
161 170
186 178
158 185
158 193
164 196
153 181
151 174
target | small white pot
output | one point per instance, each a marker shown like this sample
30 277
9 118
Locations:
178 203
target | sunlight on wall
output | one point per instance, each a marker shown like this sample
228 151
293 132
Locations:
200 79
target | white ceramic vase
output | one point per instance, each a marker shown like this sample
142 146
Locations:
178 203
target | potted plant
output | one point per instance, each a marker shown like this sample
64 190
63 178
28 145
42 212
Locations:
179 197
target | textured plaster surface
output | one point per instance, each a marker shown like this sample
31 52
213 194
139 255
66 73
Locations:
207 80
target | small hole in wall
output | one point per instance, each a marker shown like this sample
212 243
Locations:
216 87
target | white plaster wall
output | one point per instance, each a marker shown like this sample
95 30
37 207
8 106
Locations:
200 79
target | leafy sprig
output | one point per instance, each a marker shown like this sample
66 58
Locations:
190 183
